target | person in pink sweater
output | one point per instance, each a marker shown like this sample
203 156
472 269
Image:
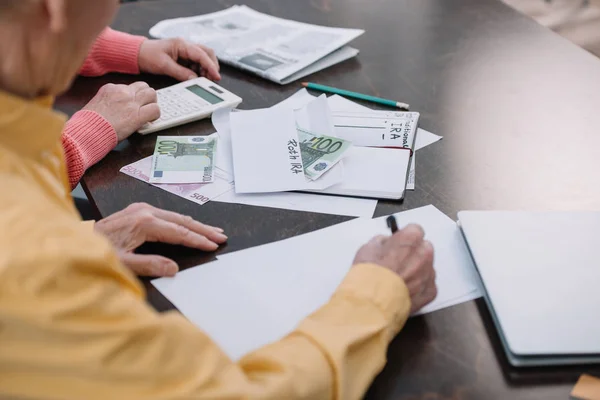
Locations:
117 111
113 115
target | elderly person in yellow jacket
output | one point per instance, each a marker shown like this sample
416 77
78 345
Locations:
73 320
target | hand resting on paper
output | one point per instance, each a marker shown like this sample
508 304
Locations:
165 57
126 107
139 223
410 257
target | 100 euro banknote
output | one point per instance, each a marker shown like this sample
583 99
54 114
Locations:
320 152
184 159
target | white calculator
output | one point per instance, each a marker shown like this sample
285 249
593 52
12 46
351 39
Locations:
189 101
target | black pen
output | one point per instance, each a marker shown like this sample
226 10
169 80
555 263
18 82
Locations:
391 223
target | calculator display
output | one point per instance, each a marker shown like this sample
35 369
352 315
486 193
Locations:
205 94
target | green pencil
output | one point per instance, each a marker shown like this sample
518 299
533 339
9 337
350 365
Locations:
347 93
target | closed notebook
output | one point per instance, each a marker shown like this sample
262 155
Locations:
541 276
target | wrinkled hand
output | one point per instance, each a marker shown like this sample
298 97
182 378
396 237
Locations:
160 57
126 107
139 223
409 256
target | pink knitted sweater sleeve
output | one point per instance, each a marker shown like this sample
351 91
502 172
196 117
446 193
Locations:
113 51
87 136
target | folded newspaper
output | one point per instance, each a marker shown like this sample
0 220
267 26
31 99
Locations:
276 49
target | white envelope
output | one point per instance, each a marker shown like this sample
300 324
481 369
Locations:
266 156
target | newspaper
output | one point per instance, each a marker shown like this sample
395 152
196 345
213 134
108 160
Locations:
276 49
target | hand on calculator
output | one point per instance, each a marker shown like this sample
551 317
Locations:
126 107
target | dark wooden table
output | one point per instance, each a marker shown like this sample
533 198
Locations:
519 109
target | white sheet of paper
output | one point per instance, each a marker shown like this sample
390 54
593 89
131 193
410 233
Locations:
475 294
261 161
315 116
338 103
309 202
298 100
267 290
410 183
363 167
425 138
221 120
376 128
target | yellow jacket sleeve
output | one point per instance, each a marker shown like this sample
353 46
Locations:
74 324
89 224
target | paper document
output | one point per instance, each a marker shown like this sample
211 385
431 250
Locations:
266 291
377 128
410 183
341 104
309 202
276 49
425 138
373 172
221 121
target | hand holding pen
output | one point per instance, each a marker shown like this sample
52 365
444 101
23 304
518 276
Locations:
408 255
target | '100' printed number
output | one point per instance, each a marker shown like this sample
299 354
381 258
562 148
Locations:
167 147
325 145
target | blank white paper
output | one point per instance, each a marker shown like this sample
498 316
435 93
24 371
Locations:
373 172
309 202
253 297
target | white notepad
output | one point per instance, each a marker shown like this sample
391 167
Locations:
541 273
